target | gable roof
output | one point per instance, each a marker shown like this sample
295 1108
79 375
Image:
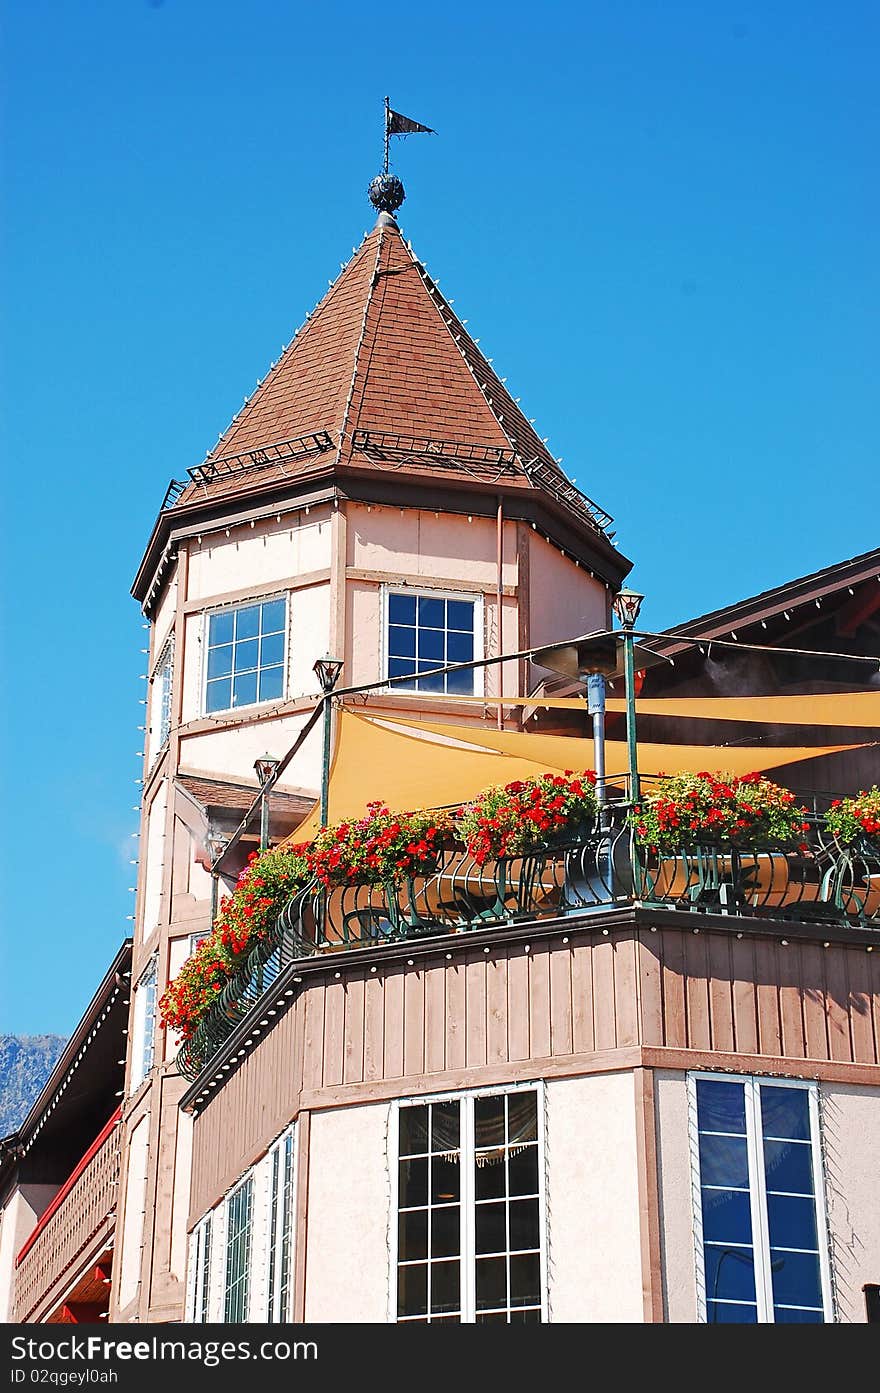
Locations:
831 581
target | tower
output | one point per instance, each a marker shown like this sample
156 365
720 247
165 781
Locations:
382 496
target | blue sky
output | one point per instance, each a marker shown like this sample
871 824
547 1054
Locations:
660 219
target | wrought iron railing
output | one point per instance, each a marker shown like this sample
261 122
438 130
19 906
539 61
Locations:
595 867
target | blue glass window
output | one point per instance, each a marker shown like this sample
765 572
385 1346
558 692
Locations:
246 655
761 1255
427 632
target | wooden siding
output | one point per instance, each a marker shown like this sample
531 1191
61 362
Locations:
86 1210
475 1017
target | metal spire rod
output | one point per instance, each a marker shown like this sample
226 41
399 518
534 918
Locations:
387 124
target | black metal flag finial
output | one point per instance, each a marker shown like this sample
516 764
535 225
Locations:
386 190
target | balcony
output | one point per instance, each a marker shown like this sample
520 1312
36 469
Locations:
601 867
63 1253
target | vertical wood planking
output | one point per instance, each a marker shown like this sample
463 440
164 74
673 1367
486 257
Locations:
476 1008
496 1009
435 1019
560 1001
414 1022
456 1015
582 1032
745 1006
672 981
790 1010
696 958
313 1037
393 1024
626 1002
720 992
334 1033
518 1005
604 1021
813 998
837 994
374 1027
353 1061
874 987
767 995
859 1005
650 988
539 1000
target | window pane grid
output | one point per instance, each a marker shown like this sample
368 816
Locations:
761 1248
163 694
500 1223
238 1244
426 632
246 655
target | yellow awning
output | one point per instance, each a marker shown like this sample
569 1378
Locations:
406 771
565 752
414 765
825 709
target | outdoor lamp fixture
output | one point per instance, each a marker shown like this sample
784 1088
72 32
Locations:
627 604
216 847
264 769
328 671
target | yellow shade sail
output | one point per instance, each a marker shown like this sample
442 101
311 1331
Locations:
406 771
565 752
434 765
825 709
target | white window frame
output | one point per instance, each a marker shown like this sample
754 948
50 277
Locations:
275 1220
284 595
753 1083
437 592
212 1293
162 690
468 1210
247 1180
198 1300
197 938
143 1040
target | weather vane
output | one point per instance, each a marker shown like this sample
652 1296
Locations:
386 190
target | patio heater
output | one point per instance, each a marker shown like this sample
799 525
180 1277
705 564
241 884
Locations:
594 658
598 657
328 671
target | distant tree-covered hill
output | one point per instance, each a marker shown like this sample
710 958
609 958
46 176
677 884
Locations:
26 1061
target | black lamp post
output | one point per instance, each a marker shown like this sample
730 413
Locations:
627 604
328 671
264 769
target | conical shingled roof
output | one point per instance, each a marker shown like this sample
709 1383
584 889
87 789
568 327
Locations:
383 376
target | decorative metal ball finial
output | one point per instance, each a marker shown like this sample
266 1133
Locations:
386 193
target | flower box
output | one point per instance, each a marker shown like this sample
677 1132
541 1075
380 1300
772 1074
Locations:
718 811
528 816
854 823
